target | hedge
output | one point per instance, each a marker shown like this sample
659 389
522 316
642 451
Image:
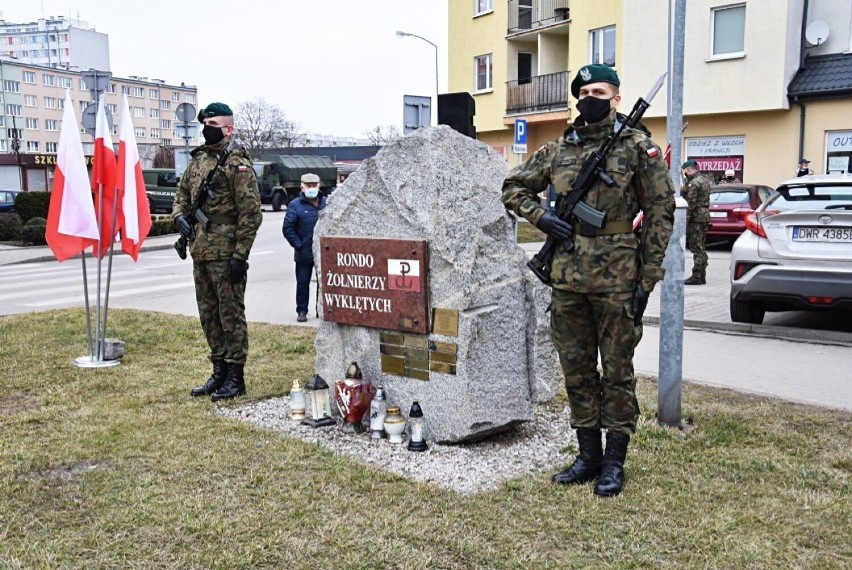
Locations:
33 231
162 226
32 205
10 226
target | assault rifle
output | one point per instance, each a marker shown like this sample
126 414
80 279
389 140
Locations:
196 215
572 206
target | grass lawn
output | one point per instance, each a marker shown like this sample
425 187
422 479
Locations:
528 232
120 468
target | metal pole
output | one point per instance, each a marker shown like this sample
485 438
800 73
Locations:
98 286
88 311
671 295
437 90
109 265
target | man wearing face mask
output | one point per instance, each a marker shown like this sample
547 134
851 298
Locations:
220 249
730 177
601 287
298 229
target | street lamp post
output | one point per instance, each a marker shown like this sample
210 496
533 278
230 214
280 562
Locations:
435 104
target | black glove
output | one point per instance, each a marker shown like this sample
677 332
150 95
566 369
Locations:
550 224
237 269
640 301
185 228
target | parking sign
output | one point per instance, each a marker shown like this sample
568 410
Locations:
520 131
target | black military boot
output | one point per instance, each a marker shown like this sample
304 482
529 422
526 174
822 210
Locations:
220 372
234 385
611 479
695 280
587 466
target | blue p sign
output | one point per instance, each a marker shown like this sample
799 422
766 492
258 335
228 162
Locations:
520 131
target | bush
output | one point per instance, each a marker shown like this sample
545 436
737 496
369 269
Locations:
32 205
33 231
162 226
10 226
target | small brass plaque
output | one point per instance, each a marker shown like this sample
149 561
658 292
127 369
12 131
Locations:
417 341
442 367
392 350
393 365
417 374
420 353
420 364
446 347
391 338
405 323
445 322
443 357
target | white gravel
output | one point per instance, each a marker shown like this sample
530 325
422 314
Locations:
529 448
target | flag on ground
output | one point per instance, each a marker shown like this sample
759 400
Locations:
134 212
71 222
103 180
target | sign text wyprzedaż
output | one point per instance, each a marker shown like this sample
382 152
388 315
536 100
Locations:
375 282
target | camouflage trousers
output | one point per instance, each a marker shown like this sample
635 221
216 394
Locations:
222 310
581 325
696 241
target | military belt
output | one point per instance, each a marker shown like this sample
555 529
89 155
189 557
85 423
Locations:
611 228
220 219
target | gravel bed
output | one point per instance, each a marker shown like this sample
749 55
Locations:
532 447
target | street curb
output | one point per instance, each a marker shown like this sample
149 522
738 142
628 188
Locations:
766 331
88 255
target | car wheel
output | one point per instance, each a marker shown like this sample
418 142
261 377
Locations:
277 200
745 312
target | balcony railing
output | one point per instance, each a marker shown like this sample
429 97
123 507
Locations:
527 15
540 93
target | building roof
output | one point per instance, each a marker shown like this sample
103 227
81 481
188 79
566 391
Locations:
823 76
335 153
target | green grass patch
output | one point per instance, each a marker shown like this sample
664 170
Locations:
121 468
528 232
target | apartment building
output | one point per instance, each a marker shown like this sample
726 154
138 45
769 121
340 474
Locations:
33 100
757 93
55 42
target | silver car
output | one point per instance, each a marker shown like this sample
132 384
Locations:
796 252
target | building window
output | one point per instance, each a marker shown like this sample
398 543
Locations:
83 105
60 103
155 133
50 147
114 129
51 125
4 145
175 96
482 69
728 31
138 112
139 132
64 82
165 105
28 77
32 146
125 90
153 93
189 98
82 85
112 108
138 92
32 123
30 100
12 86
165 124
482 6
154 113
110 88
602 46
15 110
50 102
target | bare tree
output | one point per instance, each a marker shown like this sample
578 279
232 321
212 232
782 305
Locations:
382 135
165 157
261 125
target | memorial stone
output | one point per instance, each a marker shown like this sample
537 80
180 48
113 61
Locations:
486 355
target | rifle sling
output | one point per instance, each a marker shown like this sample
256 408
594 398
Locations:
221 219
611 228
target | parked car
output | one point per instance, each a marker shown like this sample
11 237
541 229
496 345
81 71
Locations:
729 206
160 185
7 200
796 252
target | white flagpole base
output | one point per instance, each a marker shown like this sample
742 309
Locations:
92 362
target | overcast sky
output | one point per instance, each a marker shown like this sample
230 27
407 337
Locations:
334 66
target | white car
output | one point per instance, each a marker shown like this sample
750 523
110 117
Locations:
796 252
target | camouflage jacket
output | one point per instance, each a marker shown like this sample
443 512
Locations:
234 207
724 180
603 263
696 192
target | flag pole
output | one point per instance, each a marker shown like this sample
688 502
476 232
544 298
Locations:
98 295
109 265
88 311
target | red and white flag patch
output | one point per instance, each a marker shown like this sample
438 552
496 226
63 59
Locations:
242 168
653 152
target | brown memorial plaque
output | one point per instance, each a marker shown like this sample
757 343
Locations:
445 322
376 282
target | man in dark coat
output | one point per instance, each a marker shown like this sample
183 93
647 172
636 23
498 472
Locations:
298 229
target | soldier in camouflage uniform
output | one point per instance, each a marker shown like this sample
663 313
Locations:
696 192
730 177
601 287
220 251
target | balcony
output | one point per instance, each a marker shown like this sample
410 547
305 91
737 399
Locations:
527 15
537 94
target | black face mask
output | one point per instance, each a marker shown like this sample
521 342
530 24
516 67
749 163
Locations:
212 135
592 109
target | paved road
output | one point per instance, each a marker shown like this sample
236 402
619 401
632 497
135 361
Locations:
795 361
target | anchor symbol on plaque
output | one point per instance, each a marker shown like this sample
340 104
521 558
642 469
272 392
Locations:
401 281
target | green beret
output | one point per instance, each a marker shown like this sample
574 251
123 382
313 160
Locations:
214 110
593 73
689 163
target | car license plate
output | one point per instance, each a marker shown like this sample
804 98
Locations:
718 214
825 235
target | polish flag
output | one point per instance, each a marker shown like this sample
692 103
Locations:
134 213
667 155
103 179
71 222
404 274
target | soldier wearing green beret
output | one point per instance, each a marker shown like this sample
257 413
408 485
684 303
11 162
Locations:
220 250
601 287
696 192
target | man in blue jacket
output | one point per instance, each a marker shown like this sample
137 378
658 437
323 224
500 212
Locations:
302 214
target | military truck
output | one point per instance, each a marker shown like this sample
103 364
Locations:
160 185
279 177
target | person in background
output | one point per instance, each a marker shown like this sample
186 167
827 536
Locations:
730 177
298 230
804 168
696 192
